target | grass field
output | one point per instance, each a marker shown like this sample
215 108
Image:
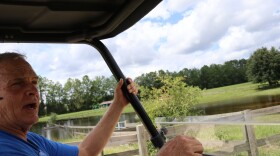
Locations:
83 114
236 92
228 133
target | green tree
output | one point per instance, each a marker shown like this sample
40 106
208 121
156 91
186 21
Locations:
102 89
234 72
149 80
205 77
86 93
109 85
42 87
216 74
191 76
54 98
73 92
173 99
263 66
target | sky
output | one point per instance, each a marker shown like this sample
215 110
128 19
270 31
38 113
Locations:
177 34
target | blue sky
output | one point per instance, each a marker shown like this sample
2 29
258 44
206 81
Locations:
177 34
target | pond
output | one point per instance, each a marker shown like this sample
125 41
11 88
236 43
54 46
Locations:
59 133
233 105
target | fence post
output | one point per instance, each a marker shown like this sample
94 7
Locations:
250 135
142 140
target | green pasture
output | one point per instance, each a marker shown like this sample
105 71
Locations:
83 114
236 92
229 133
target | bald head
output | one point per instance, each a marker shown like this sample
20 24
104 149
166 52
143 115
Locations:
12 62
11 56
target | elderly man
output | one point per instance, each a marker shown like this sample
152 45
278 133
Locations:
19 105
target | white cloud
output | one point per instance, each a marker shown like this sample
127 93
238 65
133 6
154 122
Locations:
169 7
231 41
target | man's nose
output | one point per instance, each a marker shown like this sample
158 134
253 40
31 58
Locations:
32 89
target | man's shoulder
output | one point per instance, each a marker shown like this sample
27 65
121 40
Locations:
34 136
37 139
6 137
11 145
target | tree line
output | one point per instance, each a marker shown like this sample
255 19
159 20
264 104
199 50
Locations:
75 95
215 75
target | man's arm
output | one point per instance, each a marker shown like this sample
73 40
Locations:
96 140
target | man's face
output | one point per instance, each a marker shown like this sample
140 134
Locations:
18 87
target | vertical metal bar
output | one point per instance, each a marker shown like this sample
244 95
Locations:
156 137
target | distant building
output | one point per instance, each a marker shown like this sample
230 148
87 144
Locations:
105 104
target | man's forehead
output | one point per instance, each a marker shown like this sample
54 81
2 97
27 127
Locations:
16 69
14 75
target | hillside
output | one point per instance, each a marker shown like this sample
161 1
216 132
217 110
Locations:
235 92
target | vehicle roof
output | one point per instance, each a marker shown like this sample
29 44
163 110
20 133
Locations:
68 21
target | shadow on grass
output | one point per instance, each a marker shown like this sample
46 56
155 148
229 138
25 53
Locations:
267 86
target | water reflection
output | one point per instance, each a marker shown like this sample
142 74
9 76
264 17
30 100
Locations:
233 105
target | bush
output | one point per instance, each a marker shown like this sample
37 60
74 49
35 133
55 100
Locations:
52 119
173 99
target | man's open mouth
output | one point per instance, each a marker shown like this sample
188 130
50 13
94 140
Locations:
30 106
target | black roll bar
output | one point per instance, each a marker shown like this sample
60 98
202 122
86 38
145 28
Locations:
157 138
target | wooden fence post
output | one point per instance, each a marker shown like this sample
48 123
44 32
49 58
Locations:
250 135
142 140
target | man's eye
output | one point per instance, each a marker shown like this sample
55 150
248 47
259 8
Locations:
35 82
17 84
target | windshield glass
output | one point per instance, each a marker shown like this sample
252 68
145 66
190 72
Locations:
211 68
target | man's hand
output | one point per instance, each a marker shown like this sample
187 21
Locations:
182 146
119 97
